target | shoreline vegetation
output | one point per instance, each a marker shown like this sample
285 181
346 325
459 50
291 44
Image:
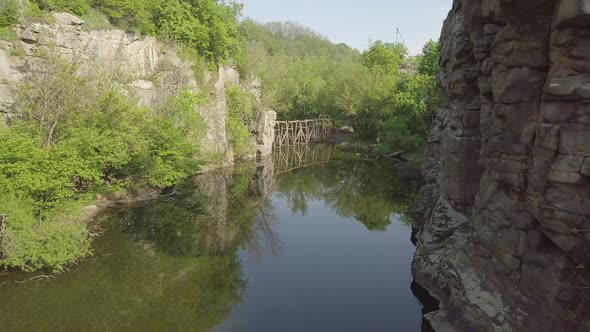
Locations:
77 136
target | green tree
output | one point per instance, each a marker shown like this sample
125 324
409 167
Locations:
241 114
384 56
133 15
209 26
428 62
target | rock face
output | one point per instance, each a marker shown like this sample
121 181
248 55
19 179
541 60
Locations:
503 221
155 71
265 133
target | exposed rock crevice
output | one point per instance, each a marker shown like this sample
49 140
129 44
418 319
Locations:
501 238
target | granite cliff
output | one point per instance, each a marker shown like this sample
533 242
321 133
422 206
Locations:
502 223
155 72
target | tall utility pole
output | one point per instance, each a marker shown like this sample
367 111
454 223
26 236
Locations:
398 36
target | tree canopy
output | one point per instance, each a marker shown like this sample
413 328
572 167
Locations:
382 92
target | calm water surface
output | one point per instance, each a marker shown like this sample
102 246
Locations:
310 240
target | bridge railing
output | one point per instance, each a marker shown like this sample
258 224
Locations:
302 131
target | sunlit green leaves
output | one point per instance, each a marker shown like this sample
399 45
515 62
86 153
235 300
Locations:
384 56
78 7
72 141
241 112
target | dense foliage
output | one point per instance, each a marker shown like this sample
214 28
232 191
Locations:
75 136
240 106
9 11
383 93
209 26
78 7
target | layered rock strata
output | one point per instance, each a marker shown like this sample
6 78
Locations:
503 221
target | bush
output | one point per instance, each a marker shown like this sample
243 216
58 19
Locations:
29 244
241 113
78 7
175 135
34 172
131 15
96 20
396 135
9 13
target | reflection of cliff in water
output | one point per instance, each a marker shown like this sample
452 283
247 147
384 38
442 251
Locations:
213 214
174 264
170 264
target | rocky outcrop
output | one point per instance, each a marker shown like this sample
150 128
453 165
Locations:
154 70
264 134
503 220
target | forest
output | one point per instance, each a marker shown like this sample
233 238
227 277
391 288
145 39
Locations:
78 136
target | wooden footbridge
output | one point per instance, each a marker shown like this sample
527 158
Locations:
302 131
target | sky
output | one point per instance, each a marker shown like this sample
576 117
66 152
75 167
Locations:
357 22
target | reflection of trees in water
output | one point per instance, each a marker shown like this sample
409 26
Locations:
216 214
183 271
133 285
263 237
369 191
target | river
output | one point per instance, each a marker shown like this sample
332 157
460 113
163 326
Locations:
309 240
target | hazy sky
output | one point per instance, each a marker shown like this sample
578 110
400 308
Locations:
355 22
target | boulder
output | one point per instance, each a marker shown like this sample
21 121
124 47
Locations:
68 19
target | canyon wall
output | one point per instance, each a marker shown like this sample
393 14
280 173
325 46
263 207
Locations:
503 220
155 72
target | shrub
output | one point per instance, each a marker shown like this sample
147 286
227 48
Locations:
9 13
395 134
241 113
131 15
175 135
96 20
30 244
78 7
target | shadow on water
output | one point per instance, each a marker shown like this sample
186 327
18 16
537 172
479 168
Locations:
178 263
429 304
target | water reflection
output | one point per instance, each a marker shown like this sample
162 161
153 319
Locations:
214 214
180 263
369 191
165 265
